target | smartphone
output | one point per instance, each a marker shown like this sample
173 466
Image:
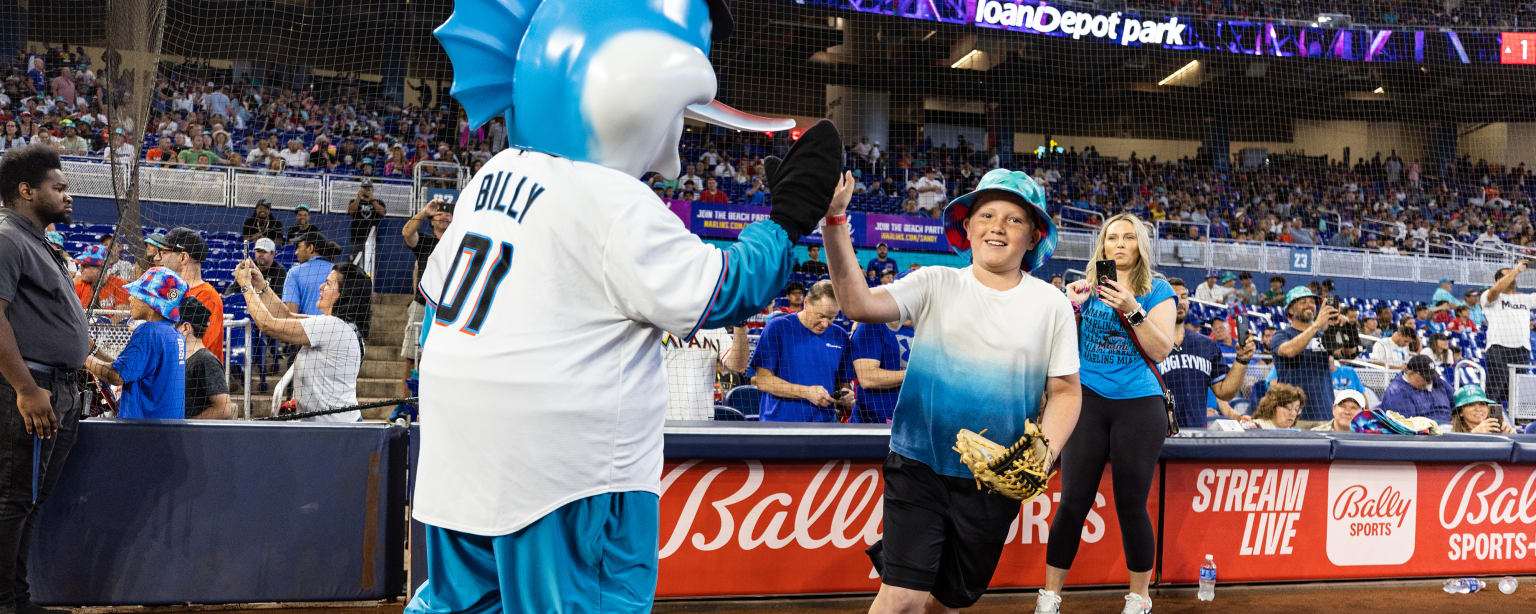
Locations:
1242 330
1104 270
1496 412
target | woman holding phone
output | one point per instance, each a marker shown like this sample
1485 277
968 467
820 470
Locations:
1124 419
1475 413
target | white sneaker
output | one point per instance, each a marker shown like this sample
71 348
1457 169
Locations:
1048 602
1136 604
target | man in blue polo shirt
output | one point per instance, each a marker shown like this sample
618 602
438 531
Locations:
798 360
152 369
1195 369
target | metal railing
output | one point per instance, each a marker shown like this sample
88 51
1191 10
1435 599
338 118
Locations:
1320 261
111 328
228 187
222 186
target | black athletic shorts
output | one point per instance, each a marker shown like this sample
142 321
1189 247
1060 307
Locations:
942 535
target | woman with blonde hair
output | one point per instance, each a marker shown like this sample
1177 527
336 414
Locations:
1123 420
1280 406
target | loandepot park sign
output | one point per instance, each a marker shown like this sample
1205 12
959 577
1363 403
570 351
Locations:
1042 18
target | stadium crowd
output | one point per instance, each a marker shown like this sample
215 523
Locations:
1495 13
1384 203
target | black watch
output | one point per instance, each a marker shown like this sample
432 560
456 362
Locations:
1137 317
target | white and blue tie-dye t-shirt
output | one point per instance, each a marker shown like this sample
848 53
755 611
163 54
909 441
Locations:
980 358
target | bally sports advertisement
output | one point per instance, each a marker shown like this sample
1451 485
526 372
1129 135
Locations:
731 527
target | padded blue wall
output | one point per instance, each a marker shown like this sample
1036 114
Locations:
162 512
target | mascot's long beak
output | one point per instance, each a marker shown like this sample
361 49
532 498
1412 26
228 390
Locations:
721 114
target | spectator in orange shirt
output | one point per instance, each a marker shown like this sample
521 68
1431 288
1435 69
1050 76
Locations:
112 294
164 154
184 253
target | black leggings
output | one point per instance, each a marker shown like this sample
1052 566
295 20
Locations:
1128 433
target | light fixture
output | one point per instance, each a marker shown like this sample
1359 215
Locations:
1379 90
1193 64
964 59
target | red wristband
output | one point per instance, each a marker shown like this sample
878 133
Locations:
837 220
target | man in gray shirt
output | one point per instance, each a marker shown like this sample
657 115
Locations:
43 344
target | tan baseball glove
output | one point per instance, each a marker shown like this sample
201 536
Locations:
1018 472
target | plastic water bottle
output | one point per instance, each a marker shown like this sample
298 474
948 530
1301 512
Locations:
1462 586
1508 584
1208 579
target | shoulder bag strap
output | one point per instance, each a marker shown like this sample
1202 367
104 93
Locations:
1168 404
1131 332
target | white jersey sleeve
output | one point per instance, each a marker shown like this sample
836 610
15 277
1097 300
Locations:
654 271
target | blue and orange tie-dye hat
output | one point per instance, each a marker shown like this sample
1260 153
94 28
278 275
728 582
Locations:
95 255
162 289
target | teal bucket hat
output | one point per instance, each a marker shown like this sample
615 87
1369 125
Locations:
1019 184
1296 294
1470 393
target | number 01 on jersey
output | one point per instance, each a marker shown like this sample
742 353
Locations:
464 277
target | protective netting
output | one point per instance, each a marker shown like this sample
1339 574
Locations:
1379 140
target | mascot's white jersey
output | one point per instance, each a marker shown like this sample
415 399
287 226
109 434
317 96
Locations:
542 378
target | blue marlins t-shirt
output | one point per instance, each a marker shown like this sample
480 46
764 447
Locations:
981 358
798 356
1189 371
892 349
154 371
1112 366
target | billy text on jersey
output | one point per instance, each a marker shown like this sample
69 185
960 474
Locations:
493 194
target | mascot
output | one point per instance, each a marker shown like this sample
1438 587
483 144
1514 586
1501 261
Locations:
542 389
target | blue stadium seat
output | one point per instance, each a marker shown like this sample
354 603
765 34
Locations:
726 413
745 399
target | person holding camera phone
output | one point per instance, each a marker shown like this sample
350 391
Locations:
366 212
439 213
1301 359
1196 366
1476 413
1128 321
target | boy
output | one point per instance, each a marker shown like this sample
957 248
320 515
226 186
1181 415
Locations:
207 395
975 363
152 368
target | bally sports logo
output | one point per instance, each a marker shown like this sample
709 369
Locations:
1371 513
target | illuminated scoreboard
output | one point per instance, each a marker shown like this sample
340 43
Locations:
1517 48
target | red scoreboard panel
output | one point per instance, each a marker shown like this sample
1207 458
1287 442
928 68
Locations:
1518 48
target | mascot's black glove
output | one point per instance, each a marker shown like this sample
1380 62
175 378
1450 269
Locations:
802 182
